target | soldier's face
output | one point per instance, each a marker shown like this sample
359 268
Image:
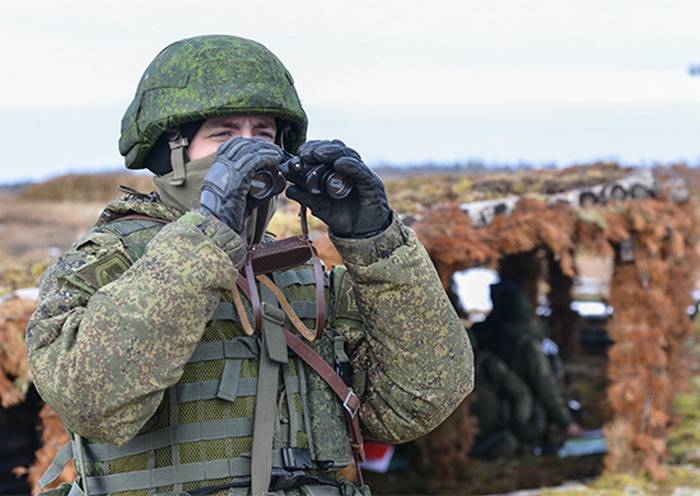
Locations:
218 130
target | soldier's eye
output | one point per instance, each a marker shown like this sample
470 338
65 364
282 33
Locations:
222 134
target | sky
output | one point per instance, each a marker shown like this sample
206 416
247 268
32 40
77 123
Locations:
405 82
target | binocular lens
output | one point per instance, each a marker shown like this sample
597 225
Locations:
261 184
337 186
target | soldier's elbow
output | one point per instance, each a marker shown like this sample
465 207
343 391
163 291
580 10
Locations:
446 399
100 422
85 412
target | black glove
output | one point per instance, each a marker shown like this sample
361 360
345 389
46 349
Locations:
226 185
363 213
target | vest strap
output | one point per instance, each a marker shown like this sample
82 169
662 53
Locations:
225 311
229 385
62 458
206 431
302 277
209 390
145 479
241 347
273 353
164 476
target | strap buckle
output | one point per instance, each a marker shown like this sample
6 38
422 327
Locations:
351 403
297 459
176 141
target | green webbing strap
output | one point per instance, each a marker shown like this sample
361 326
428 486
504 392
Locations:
225 311
173 441
209 390
82 466
240 347
129 226
205 431
59 462
230 381
273 335
304 309
191 472
302 277
273 353
164 476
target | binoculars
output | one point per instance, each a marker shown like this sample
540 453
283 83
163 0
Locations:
269 181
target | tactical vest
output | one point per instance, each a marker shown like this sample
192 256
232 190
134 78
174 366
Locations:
200 439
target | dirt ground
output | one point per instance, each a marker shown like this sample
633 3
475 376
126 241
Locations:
32 231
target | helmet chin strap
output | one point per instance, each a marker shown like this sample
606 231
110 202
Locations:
178 146
282 129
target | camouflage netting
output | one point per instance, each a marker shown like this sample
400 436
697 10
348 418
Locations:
53 437
654 242
418 192
14 368
15 382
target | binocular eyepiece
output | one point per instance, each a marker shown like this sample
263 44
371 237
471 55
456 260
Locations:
318 179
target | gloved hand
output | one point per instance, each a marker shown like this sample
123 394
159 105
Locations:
226 185
363 213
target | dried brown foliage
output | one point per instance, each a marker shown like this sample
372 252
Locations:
454 244
649 361
15 380
14 369
53 437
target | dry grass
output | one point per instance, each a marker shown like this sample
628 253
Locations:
85 187
14 368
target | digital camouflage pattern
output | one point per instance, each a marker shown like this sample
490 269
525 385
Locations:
411 358
195 79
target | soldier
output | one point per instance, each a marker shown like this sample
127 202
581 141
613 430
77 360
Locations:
508 334
140 343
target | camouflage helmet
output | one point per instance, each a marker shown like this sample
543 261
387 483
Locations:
209 76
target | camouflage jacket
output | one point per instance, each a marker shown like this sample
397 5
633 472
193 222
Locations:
518 345
105 344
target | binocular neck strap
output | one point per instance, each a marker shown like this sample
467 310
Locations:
247 286
304 221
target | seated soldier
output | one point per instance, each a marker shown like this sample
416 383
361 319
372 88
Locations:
509 335
503 407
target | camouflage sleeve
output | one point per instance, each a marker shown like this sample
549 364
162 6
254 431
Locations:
412 359
110 335
515 389
544 385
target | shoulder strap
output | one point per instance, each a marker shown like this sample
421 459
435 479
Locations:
141 217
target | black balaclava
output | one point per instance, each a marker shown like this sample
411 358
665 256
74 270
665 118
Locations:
158 159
